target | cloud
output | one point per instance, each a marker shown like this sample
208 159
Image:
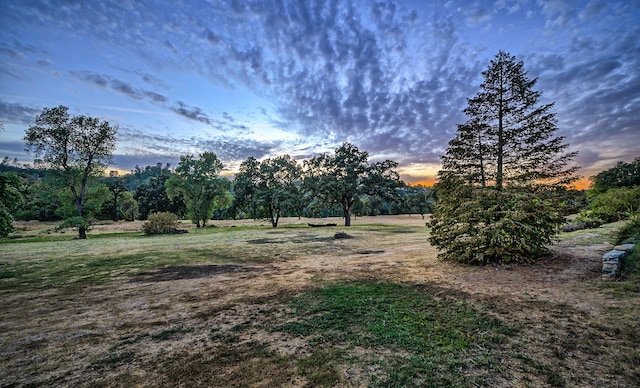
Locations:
91 77
127 89
156 97
134 143
17 113
191 112
389 78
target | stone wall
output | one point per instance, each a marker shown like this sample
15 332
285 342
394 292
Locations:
612 260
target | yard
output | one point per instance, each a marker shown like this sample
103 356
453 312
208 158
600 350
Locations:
244 304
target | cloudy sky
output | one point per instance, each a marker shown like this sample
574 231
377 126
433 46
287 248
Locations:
265 77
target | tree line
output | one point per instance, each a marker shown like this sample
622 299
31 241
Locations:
72 153
502 192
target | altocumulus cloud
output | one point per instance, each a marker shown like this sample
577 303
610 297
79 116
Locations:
391 77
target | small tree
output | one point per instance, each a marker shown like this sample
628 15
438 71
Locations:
267 189
501 172
203 190
75 148
10 199
117 189
128 206
347 175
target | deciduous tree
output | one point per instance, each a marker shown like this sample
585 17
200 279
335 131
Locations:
76 148
621 175
345 176
10 199
199 182
117 189
267 189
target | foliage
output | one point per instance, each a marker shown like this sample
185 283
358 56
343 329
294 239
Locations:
117 189
503 175
139 175
152 197
160 223
75 148
10 199
268 188
621 175
485 225
95 197
198 182
347 175
75 222
616 204
630 233
128 206
42 201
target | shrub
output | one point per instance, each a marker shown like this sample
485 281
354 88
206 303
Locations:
483 225
616 204
630 233
160 223
6 223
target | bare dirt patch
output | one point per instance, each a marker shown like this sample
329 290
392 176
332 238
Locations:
208 323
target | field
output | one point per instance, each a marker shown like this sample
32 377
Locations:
243 304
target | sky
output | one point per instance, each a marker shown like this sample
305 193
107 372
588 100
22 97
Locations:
265 78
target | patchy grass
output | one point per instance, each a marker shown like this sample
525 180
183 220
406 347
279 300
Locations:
292 306
603 234
410 336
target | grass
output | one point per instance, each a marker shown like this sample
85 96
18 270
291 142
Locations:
37 265
257 306
427 340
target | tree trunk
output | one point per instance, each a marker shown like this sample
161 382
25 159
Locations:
500 133
115 207
82 230
347 215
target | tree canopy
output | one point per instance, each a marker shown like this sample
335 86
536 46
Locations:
76 148
621 175
500 172
267 189
345 176
199 182
10 198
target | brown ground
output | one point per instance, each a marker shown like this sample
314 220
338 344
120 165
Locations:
103 335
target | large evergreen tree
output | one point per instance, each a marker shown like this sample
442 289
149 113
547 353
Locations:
500 172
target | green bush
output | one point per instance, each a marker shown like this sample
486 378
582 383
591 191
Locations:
483 225
6 223
630 233
616 204
160 223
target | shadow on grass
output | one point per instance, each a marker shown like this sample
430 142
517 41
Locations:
189 272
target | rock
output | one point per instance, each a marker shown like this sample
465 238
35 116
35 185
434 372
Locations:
624 247
612 260
341 235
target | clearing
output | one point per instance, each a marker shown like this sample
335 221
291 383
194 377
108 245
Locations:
243 304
